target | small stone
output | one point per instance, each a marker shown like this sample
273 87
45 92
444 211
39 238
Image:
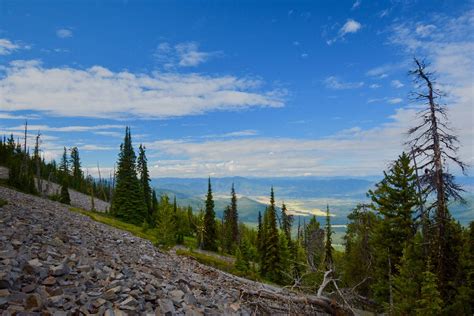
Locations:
33 302
166 307
235 307
99 302
60 270
49 281
56 300
4 284
177 296
28 288
129 301
84 268
190 299
4 293
111 294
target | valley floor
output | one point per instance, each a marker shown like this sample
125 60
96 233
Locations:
55 260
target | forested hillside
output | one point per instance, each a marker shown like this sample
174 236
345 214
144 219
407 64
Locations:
404 252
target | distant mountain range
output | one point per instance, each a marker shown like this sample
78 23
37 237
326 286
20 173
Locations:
303 195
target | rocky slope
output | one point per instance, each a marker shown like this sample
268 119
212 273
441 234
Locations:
59 262
78 199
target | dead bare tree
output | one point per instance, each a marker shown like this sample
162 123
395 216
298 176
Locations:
434 145
37 159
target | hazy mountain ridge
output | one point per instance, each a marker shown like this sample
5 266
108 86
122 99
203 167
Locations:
299 193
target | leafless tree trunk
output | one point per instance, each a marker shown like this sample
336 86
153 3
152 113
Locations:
433 144
38 164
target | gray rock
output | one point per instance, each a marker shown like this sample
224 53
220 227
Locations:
60 270
166 307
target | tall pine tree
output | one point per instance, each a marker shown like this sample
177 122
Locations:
210 232
128 203
142 169
395 199
270 266
328 249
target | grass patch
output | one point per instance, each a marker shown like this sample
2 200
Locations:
212 261
208 260
3 202
149 234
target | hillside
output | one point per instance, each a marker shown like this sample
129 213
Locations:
55 260
78 199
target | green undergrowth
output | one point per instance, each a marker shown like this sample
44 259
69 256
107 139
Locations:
149 234
216 262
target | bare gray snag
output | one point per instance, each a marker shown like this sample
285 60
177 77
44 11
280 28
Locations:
434 145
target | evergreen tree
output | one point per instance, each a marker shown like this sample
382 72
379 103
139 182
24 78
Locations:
64 164
313 239
270 266
260 234
286 222
359 249
77 174
407 283
210 231
299 265
234 216
166 226
64 196
395 199
285 260
227 241
242 261
430 301
142 170
231 224
328 249
128 203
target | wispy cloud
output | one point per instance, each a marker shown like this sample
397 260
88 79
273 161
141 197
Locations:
333 82
100 92
397 84
12 116
46 128
356 4
395 100
185 54
243 133
7 46
351 26
64 33
374 86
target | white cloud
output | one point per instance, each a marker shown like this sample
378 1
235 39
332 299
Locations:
185 54
64 33
100 92
397 84
243 133
351 26
425 30
356 4
10 116
374 86
77 128
7 46
304 55
395 100
382 71
96 148
333 82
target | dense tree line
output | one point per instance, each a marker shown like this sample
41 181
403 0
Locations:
30 173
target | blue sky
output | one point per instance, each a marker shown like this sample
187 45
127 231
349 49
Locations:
221 88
